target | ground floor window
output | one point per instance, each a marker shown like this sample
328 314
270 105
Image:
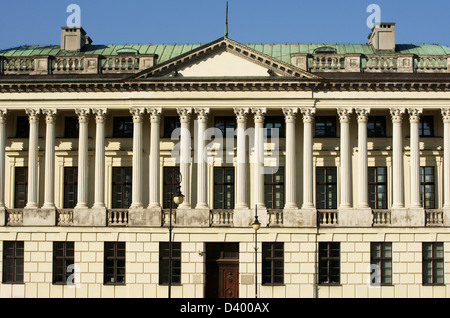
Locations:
164 260
381 261
114 263
63 262
433 263
272 263
13 262
329 263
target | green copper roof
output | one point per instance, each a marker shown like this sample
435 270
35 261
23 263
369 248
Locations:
166 52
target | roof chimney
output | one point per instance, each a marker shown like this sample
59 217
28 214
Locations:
74 38
382 36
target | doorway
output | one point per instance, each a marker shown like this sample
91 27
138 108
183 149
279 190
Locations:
222 270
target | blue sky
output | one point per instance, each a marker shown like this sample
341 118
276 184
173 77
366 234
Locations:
34 22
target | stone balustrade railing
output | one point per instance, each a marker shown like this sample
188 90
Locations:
64 217
327 217
381 217
117 217
221 217
434 218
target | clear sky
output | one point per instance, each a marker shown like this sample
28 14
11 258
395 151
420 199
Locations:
34 22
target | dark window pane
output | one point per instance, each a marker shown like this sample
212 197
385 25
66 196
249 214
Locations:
123 127
426 126
170 184
329 263
325 126
71 127
13 262
23 127
20 187
170 124
376 126
272 123
226 124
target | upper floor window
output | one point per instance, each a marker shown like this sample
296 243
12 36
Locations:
170 184
377 187
326 188
225 124
170 124
23 127
376 126
224 188
274 189
71 127
123 127
427 187
325 126
426 126
70 187
20 187
272 123
121 187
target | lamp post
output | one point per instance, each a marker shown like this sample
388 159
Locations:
176 198
256 226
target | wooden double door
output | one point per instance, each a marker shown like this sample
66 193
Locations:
222 270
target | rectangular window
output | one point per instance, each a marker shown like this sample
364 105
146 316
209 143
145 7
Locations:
164 263
170 124
121 187
20 187
272 263
427 187
114 263
63 262
274 122
274 189
13 261
71 127
325 126
377 187
376 126
329 263
70 187
426 126
225 124
433 263
123 127
326 188
381 261
170 185
23 127
224 188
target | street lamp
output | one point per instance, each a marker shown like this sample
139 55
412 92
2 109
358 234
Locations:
176 198
256 226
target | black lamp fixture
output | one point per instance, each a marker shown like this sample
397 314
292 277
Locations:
256 226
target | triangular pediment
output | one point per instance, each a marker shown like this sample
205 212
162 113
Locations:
224 58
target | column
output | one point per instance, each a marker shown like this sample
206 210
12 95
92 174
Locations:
3 113
99 192
363 191
397 158
185 155
202 183
414 119
308 185
83 120
33 115
258 165
136 192
446 167
241 164
49 190
346 157
290 166
154 173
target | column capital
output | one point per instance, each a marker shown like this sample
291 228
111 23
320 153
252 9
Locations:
362 114
445 112
83 115
259 114
155 114
185 114
138 114
308 114
344 114
100 115
414 114
241 114
289 114
3 113
50 115
33 114
202 113
397 114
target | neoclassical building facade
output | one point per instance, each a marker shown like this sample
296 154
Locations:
340 151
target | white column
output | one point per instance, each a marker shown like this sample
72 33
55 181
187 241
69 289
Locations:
258 165
290 165
397 158
3 113
414 119
99 192
363 191
346 157
154 173
49 190
202 185
33 115
136 192
446 118
308 167
83 120
241 164
185 155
